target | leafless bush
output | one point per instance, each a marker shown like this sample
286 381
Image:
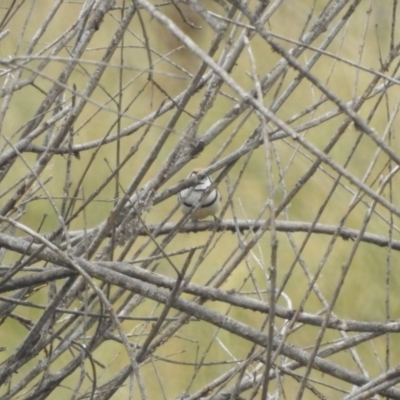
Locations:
108 291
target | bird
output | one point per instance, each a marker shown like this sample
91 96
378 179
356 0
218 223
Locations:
189 198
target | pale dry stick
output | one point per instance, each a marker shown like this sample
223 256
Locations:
103 7
6 104
311 13
313 284
207 293
289 328
393 26
225 322
7 155
229 57
254 346
82 273
133 203
276 133
199 364
125 227
336 100
41 164
52 381
148 187
238 130
93 84
341 171
210 62
170 160
225 207
4 33
35 172
357 65
222 379
20 264
344 22
388 379
355 200
136 234
281 226
140 123
342 185
213 86
273 237
61 41
243 371
293 365
28 349
267 113
191 132
66 346
31 305
32 42
390 223
273 76
162 57
320 266
67 179
340 283
57 107
388 273
236 261
104 63
192 128
239 300
100 64
206 15
310 64
229 42
130 130
241 239
148 51
354 354
57 88
84 374
361 49
260 213
89 200
77 240
176 291
286 331
77 329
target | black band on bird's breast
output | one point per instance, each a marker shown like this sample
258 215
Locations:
210 203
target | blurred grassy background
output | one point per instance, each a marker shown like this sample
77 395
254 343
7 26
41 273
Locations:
363 295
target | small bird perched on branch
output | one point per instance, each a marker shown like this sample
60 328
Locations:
189 198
